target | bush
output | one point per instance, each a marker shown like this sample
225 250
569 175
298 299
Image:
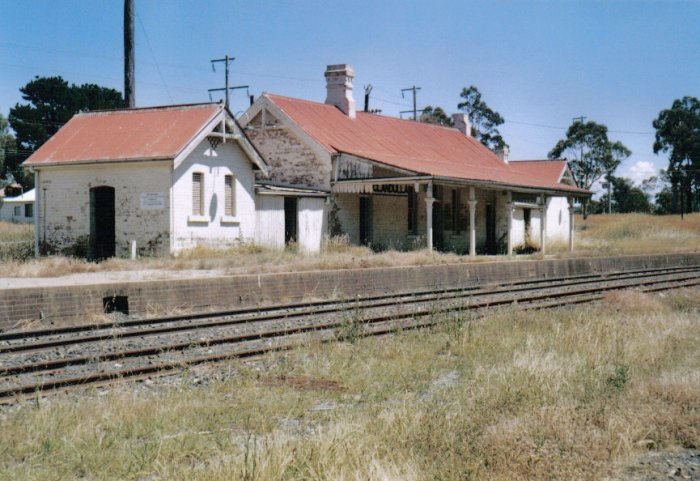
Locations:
20 251
528 247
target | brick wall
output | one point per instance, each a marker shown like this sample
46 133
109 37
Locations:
65 196
73 303
291 161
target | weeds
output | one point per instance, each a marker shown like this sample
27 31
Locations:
519 395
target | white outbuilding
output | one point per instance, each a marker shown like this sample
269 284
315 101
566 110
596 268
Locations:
18 209
153 181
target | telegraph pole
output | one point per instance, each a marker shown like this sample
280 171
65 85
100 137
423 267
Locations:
129 82
414 89
227 63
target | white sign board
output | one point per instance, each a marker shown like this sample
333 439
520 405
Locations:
152 200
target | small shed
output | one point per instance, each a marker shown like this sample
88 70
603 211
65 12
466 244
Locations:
151 181
18 209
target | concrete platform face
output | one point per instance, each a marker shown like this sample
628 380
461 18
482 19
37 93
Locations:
55 304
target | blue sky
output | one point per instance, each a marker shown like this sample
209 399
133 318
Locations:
538 63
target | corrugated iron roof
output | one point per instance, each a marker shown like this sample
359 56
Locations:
415 146
552 170
129 134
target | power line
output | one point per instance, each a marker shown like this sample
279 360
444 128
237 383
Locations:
155 61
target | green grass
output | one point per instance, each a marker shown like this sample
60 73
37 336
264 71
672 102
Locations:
517 395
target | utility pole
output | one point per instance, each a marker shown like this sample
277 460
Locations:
129 82
584 204
227 63
414 89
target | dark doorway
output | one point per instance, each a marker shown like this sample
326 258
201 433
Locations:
490 229
290 219
527 220
102 229
365 221
438 226
438 219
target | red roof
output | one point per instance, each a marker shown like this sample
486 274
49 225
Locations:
415 146
551 170
129 134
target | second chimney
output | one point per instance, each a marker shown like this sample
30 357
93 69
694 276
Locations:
503 153
462 123
339 88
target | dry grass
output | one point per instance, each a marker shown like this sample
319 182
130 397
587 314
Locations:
10 231
598 235
515 396
638 234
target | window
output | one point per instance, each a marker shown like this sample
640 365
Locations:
18 211
28 210
197 194
229 196
412 211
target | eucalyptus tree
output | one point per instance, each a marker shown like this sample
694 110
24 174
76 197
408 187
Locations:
484 120
589 153
678 132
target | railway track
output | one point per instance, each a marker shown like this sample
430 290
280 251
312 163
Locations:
42 361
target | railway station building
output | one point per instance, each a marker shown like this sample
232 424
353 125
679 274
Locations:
403 184
154 181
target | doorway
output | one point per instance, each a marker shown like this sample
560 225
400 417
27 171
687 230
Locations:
290 219
490 229
102 223
365 221
527 220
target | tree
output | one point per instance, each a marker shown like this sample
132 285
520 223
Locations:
7 143
618 153
436 116
484 121
51 103
589 153
678 132
625 197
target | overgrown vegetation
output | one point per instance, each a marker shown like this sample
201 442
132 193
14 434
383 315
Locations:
16 242
597 235
637 234
515 396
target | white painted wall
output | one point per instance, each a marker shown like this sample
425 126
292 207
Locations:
311 224
557 219
213 228
269 227
8 212
66 222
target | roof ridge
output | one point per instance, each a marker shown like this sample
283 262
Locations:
358 112
538 160
153 107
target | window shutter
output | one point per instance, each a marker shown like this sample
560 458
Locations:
197 194
229 196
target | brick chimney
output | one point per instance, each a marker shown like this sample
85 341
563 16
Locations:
339 88
461 123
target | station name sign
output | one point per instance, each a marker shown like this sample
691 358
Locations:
390 189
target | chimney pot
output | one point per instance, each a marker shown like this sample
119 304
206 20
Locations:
339 80
462 123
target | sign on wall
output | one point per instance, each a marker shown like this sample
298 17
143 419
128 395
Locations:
152 200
